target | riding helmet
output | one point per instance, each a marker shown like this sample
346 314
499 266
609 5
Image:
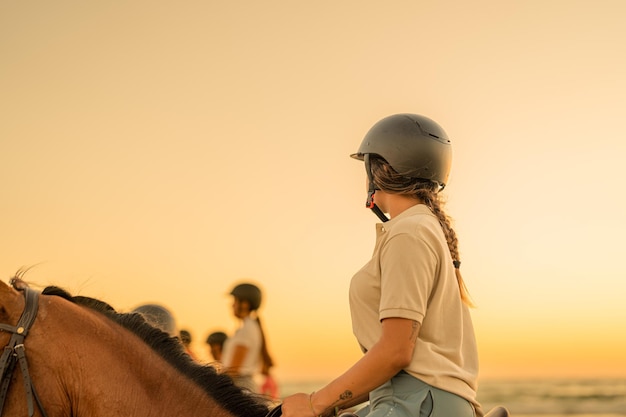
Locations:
414 146
248 292
216 338
159 317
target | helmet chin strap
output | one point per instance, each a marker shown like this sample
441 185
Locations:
372 190
377 211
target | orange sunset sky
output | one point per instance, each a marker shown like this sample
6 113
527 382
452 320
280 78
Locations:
161 151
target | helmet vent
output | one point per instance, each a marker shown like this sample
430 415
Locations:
434 136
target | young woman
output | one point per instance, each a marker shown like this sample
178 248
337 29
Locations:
245 352
409 304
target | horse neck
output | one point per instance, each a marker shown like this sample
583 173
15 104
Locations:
105 370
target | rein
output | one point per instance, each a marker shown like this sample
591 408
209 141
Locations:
14 352
276 411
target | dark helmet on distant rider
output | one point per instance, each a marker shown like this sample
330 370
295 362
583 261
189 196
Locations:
248 292
216 338
185 336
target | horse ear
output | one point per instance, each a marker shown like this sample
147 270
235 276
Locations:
17 282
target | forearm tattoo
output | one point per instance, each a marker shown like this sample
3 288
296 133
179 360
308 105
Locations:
344 396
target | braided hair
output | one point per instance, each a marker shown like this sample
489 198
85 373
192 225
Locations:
387 179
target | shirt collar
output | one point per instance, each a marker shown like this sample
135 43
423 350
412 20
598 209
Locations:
416 209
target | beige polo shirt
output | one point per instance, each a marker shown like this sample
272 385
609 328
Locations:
411 276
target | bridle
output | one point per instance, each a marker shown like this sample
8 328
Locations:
14 352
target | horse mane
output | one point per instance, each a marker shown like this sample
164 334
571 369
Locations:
220 387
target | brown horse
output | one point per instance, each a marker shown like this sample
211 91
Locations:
84 359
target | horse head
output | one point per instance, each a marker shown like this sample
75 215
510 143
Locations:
85 359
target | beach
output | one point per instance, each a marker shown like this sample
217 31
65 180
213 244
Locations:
534 397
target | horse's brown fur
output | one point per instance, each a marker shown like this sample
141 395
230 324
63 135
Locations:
85 364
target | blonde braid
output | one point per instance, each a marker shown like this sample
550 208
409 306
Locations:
386 178
432 200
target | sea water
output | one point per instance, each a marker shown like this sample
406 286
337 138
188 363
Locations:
534 398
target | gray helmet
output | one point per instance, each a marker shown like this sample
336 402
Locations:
248 292
216 338
159 317
414 146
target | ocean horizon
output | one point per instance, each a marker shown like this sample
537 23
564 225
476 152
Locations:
598 397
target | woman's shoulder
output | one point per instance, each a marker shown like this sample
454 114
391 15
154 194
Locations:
250 325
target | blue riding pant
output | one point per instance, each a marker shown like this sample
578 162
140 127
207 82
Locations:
406 396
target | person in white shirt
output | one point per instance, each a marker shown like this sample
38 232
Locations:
245 352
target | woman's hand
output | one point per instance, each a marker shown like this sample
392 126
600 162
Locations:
298 405
392 353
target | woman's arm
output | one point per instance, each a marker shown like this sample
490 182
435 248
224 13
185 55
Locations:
386 358
239 354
